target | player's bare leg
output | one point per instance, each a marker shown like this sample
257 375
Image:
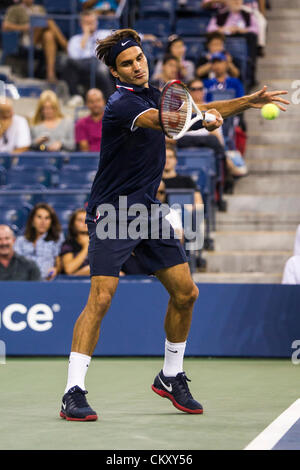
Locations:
87 327
85 338
171 382
183 294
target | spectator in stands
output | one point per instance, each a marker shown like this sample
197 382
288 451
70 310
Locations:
259 10
236 21
50 131
173 180
42 240
215 43
169 71
176 48
74 251
14 267
221 80
88 130
14 129
101 7
17 18
291 274
76 70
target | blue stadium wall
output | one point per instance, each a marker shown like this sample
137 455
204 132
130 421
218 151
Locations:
229 320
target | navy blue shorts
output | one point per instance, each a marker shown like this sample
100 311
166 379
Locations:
106 257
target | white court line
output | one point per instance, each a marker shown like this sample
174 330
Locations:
269 437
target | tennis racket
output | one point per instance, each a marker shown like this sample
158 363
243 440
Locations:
178 111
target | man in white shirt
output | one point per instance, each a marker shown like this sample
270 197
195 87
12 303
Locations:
291 274
81 52
14 130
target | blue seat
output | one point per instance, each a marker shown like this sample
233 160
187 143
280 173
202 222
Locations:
74 178
5 160
180 196
66 199
60 6
29 91
238 48
10 44
18 198
40 159
194 48
14 217
84 161
28 176
158 26
63 215
156 8
191 26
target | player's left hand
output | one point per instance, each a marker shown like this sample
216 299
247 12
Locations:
262 97
211 126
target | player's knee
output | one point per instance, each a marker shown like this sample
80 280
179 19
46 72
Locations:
104 301
187 297
48 35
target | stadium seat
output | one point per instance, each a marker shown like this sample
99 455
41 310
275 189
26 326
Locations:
191 26
10 44
14 217
66 199
156 26
84 161
40 159
61 6
237 47
21 176
63 215
5 160
150 8
194 48
74 178
180 196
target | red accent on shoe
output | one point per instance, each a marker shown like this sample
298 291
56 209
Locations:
87 418
165 394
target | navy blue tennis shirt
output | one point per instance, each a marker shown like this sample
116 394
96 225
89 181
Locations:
132 158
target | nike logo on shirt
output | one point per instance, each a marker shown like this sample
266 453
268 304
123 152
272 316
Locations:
167 387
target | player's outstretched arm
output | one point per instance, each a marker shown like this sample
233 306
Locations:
149 119
256 100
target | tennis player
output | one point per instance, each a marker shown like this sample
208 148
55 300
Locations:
132 162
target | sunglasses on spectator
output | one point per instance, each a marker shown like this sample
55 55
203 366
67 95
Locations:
199 88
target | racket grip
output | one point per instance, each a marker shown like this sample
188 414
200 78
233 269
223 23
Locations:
208 117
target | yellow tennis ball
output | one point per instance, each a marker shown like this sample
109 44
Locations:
270 111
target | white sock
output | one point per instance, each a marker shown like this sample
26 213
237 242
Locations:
78 366
173 363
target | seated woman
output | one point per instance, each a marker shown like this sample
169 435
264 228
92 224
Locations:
50 131
42 240
74 251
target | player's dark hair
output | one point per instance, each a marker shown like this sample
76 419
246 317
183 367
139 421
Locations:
72 232
55 228
104 45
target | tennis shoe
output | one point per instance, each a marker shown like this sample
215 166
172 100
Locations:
75 406
177 390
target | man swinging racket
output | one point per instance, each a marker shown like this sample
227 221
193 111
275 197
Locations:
131 165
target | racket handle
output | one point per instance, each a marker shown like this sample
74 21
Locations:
208 117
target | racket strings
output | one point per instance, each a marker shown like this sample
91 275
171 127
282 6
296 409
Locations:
174 110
